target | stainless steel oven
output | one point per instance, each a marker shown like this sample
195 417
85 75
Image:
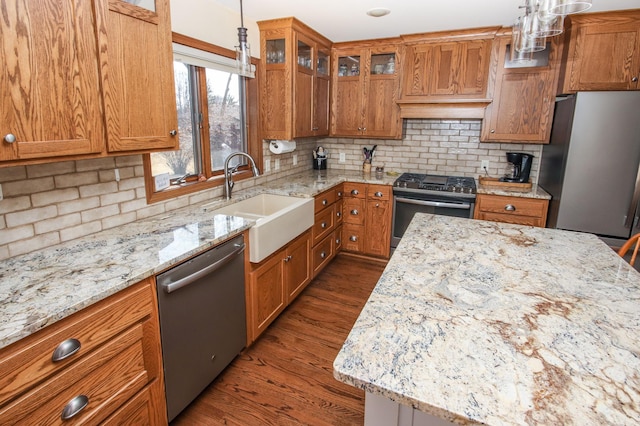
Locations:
418 193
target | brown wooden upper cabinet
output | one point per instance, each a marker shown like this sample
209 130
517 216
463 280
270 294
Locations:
602 53
523 97
446 66
365 89
65 92
294 74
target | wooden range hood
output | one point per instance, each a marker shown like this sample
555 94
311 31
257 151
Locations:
445 74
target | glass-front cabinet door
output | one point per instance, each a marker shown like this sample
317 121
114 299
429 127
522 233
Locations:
276 53
305 55
322 64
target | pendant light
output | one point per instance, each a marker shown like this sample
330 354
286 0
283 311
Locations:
243 52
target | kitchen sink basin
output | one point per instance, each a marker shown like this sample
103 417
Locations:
279 219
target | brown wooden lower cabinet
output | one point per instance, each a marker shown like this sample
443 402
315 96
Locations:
275 282
517 210
367 219
117 369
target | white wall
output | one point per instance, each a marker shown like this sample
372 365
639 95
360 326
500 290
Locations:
210 21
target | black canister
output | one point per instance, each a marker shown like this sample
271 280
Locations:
319 159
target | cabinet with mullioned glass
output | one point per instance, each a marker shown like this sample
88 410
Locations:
294 72
365 87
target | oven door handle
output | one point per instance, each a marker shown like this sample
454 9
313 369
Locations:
462 206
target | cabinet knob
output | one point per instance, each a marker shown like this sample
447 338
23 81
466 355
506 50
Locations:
65 350
10 138
325 202
493 130
323 225
364 129
510 208
74 406
339 213
354 192
173 132
288 258
323 255
339 193
634 79
337 241
378 194
354 212
315 129
377 205
353 238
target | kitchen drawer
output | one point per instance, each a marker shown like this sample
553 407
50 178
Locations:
379 192
337 239
325 199
519 210
357 190
29 361
339 191
352 237
354 210
322 254
107 377
323 224
512 218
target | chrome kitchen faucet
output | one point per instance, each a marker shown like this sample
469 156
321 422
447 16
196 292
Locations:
229 171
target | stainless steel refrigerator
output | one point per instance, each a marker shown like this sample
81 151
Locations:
591 165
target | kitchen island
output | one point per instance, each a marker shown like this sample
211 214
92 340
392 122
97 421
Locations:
480 322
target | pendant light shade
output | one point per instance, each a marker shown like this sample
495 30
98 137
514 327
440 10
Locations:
243 51
564 7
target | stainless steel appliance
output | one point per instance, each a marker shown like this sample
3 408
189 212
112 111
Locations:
202 320
423 193
590 167
519 167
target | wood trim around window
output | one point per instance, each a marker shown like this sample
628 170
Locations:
254 144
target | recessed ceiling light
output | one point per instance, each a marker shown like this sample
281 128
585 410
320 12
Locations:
378 12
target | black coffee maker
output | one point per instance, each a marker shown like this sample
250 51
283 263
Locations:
519 167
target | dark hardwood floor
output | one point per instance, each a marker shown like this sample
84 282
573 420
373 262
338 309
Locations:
286 376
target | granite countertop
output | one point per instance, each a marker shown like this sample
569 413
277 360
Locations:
482 322
535 192
43 287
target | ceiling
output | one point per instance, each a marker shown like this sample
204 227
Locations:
346 20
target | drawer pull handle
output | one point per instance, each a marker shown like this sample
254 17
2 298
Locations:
353 238
74 406
377 204
339 193
173 132
65 350
634 79
323 225
325 202
339 214
378 194
288 258
323 255
510 208
354 212
338 241
354 192
9 138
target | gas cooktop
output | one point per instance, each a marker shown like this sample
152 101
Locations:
417 182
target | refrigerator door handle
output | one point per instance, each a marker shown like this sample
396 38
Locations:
631 214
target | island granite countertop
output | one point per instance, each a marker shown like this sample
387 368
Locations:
481 322
40 288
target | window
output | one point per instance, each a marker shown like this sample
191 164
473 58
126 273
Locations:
212 102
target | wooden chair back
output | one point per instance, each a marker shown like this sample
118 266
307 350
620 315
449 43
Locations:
631 242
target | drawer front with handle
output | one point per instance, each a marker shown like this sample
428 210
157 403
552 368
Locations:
324 200
355 190
352 237
49 351
112 374
322 254
379 192
353 210
512 205
323 224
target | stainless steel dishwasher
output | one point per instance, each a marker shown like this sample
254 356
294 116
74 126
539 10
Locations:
202 320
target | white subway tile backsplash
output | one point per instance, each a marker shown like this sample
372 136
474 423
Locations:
36 243
57 223
30 216
55 196
78 231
